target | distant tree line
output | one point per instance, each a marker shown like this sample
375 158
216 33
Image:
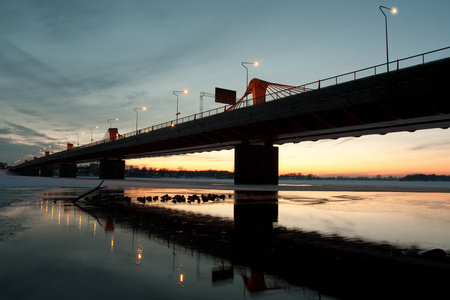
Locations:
88 170
3 165
424 177
412 177
312 176
299 176
154 173
144 172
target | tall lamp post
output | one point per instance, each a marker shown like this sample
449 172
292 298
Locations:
135 109
394 11
246 78
175 93
109 120
92 132
78 137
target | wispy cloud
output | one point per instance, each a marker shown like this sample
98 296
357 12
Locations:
434 145
68 65
22 67
25 133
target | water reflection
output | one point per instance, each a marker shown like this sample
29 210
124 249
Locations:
255 212
222 274
267 259
255 282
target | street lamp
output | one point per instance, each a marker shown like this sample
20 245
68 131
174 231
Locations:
92 131
246 79
137 115
78 138
109 120
393 11
175 93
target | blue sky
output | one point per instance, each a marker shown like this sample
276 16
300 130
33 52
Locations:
66 66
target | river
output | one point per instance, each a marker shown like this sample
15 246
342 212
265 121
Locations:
291 241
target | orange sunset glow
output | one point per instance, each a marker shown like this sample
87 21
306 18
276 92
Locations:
401 153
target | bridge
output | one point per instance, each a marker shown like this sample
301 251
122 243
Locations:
412 96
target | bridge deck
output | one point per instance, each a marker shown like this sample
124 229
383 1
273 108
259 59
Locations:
404 100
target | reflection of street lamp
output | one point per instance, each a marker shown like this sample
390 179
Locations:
135 109
109 120
174 92
92 131
394 11
246 79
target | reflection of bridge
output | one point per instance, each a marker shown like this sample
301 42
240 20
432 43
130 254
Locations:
407 99
337 266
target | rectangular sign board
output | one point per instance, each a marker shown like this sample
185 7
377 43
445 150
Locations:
225 96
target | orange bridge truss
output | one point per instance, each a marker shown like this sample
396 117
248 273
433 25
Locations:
258 88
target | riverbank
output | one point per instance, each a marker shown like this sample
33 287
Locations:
11 181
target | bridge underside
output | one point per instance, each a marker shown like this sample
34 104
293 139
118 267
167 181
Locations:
405 100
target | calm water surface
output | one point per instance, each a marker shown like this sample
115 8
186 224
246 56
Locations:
51 249
404 219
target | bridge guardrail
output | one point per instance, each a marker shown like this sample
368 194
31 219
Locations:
330 81
378 69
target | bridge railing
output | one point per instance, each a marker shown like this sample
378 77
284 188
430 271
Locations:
373 70
330 81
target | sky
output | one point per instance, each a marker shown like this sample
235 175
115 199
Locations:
68 66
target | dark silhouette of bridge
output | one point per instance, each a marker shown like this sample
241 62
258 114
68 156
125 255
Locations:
412 96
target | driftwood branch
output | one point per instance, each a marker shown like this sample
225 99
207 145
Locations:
85 194
90 192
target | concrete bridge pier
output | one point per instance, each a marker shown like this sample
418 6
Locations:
256 164
46 171
29 172
68 170
112 169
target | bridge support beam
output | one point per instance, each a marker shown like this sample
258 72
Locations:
112 169
68 170
256 164
46 171
29 172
